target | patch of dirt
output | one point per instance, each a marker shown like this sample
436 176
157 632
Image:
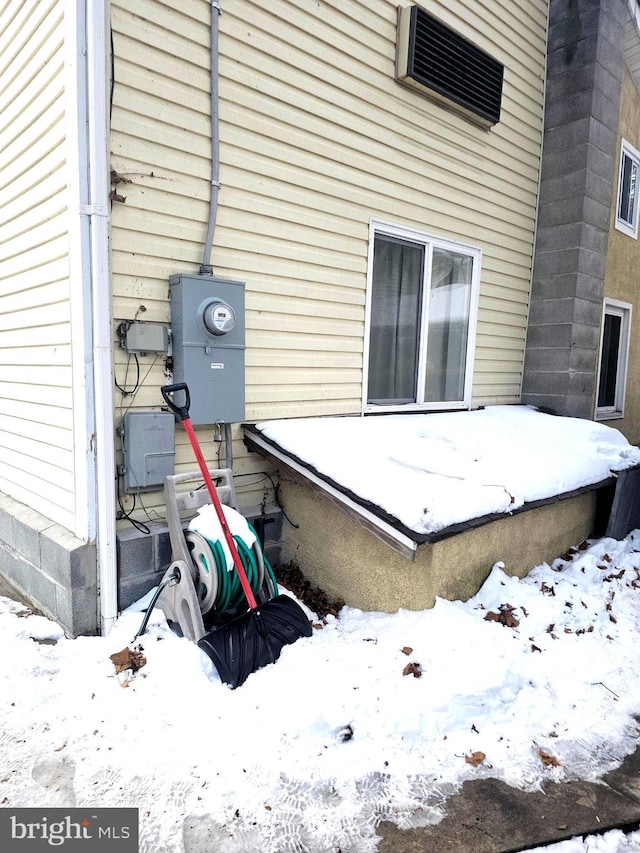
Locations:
291 576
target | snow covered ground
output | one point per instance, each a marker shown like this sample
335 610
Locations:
375 717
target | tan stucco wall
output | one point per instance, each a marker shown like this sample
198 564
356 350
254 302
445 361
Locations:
622 279
346 560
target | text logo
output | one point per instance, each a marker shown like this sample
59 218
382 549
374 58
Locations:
72 830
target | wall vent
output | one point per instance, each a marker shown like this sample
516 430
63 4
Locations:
438 61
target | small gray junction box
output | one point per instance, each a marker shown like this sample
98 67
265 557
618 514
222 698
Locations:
207 326
149 450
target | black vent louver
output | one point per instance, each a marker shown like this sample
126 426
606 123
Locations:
440 59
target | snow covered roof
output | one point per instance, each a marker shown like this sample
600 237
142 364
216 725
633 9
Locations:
426 475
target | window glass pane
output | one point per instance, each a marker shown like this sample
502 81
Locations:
450 299
628 188
395 320
609 361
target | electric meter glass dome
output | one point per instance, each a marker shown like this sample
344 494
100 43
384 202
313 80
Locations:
219 317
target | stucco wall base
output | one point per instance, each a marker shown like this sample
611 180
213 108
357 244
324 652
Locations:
346 560
51 567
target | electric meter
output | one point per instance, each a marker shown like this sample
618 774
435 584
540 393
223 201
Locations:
219 317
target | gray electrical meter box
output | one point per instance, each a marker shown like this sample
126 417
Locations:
207 324
149 449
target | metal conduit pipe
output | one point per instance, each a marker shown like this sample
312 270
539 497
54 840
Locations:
206 267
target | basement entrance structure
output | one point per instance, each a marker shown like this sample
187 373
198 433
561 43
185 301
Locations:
393 511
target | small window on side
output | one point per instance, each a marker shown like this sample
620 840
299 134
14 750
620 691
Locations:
614 354
627 206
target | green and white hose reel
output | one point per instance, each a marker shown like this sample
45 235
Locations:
217 585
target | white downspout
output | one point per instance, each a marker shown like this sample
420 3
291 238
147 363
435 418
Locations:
97 35
90 292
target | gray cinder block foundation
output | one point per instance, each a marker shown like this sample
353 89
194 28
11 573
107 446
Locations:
50 567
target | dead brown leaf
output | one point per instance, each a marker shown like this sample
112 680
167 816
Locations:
128 659
413 669
505 616
406 650
548 760
476 758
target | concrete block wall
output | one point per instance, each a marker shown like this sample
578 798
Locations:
584 81
51 567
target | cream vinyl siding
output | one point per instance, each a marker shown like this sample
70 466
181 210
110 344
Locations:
36 437
316 138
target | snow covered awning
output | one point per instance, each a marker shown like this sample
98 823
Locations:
419 478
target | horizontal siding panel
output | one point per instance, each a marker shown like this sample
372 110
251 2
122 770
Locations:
26 23
46 498
29 471
45 395
289 29
22 300
508 222
302 408
168 81
317 138
159 204
41 234
20 435
37 414
355 159
54 249
126 308
302 48
172 121
181 172
36 418
264 306
42 79
39 192
48 271
269 358
286 340
38 160
261 393
310 322
264 375
38 356
170 31
40 215
144 123
33 374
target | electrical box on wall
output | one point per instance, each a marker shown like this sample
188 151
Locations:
149 450
207 328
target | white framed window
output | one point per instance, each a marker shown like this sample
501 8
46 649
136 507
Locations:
627 205
614 356
422 302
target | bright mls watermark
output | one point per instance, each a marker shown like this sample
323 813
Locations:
79 830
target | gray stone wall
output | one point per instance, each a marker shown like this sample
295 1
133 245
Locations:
51 568
578 184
